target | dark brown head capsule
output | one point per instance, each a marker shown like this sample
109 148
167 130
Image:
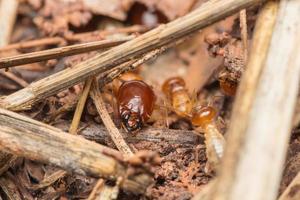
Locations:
136 102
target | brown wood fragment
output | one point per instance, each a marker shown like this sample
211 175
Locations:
37 141
98 133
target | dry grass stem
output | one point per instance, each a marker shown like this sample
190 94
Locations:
80 106
244 32
61 52
14 78
109 124
8 14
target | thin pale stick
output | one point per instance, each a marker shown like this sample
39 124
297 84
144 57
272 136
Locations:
72 38
244 32
109 124
34 43
80 106
61 52
8 14
14 78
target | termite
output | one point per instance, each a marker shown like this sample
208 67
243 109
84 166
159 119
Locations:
135 101
175 90
204 117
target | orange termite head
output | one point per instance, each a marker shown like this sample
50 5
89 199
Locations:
203 115
172 85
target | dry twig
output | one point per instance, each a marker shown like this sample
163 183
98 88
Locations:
205 15
61 52
34 43
261 121
34 140
72 38
8 13
109 124
49 180
99 134
244 32
104 33
14 78
80 106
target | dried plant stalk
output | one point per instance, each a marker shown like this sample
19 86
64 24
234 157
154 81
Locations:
99 133
60 52
73 38
14 78
244 32
35 140
33 43
205 15
261 121
109 76
8 14
109 124
80 106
